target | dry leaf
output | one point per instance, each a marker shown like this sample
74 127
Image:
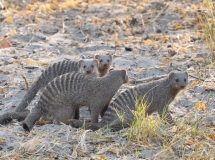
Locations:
95 20
179 27
11 32
149 42
2 90
194 83
139 8
200 106
8 20
138 69
212 136
2 141
44 63
5 42
31 62
100 156
41 121
114 150
167 60
190 141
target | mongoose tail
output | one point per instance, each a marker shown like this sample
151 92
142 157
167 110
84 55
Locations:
32 118
49 74
8 117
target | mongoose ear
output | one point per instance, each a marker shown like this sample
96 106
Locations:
80 63
96 62
171 75
96 56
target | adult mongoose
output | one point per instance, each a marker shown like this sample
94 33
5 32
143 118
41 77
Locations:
63 67
86 66
67 92
105 62
156 95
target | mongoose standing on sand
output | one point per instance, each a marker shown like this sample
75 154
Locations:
67 92
63 67
53 71
86 66
156 94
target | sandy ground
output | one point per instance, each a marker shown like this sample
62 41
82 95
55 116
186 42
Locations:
145 38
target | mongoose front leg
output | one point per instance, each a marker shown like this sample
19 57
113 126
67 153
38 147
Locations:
76 113
94 115
164 113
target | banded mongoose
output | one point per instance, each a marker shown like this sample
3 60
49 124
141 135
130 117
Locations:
86 66
157 95
67 92
105 62
63 67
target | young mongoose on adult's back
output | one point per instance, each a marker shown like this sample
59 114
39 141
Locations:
157 95
67 92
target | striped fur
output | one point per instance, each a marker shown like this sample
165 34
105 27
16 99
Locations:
70 91
157 95
48 75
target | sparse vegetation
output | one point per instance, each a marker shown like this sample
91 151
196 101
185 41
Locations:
188 141
208 24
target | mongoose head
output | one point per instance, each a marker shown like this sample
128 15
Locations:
88 66
123 73
105 61
178 80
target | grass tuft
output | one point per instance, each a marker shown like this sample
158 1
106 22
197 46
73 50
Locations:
208 24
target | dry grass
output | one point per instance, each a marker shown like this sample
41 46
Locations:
183 141
208 24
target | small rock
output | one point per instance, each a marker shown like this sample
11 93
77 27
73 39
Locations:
199 89
48 29
128 49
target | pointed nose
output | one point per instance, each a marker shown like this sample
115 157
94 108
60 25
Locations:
88 72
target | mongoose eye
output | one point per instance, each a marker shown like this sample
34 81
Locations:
177 80
185 80
101 61
84 66
108 60
92 66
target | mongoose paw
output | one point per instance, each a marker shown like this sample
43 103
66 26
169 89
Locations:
76 123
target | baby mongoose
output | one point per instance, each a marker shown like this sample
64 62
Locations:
67 92
156 94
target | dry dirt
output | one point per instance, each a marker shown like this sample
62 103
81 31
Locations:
147 38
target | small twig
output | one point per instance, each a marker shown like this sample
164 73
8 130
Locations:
26 82
145 80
